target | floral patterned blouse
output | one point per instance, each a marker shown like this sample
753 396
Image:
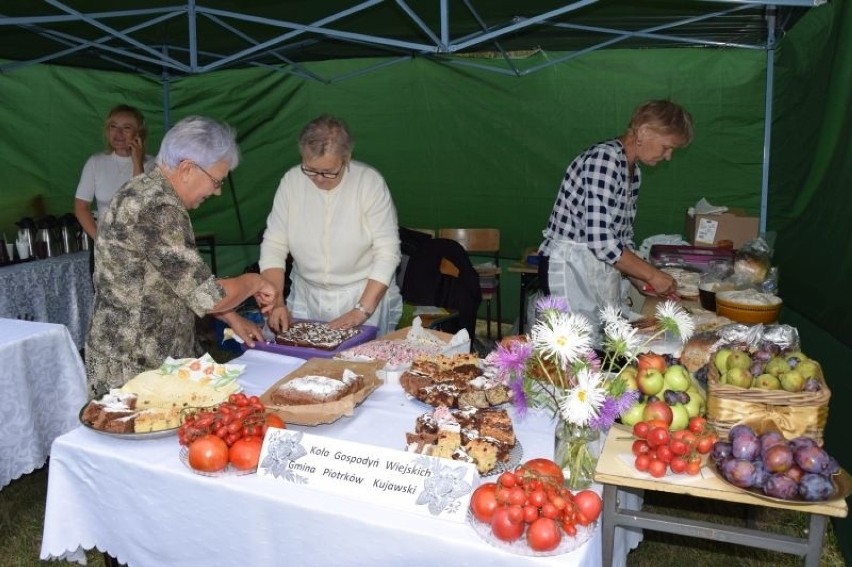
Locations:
150 284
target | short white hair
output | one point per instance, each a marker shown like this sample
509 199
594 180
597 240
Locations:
199 139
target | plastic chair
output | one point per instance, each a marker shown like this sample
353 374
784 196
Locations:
483 242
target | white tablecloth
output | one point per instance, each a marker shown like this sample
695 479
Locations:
53 290
137 501
42 388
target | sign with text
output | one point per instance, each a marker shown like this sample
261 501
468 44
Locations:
418 483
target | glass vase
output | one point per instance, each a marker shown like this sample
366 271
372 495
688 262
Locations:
577 451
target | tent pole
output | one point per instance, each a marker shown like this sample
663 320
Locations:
767 113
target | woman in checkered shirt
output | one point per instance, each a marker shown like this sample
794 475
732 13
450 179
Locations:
588 243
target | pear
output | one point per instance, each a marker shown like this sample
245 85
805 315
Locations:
738 359
720 359
776 366
740 377
808 369
766 382
793 381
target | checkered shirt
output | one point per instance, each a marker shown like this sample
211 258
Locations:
596 203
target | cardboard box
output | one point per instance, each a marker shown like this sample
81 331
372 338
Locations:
712 230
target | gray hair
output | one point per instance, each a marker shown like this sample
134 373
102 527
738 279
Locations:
325 135
199 139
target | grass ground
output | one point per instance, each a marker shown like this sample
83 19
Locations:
22 513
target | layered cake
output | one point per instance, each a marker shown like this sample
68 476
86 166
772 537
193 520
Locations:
306 390
484 437
453 381
396 353
313 334
153 400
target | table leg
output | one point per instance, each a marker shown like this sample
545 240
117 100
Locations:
816 533
608 522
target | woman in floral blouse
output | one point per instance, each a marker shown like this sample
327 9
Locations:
150 280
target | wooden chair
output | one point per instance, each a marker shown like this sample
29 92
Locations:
483 242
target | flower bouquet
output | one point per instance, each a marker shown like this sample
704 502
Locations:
556 367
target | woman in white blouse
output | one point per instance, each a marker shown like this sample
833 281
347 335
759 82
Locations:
336 218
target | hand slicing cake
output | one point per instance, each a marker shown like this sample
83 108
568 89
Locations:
152 401
313 334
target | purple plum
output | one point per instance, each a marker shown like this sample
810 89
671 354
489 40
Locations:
781 486
721 451
815 487
739 472
812 385
812 459
745 446
778 458
770 439
802 442
761 475
740 428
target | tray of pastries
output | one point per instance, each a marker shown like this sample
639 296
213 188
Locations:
456 381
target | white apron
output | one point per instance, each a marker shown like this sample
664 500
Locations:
311 302
586 282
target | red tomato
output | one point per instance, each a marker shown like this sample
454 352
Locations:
642 463
697 424
651 360
503 528
483 502
570 528
530 513
652 423
537 498
640 446
516 514
545 468
658 437
245 452
664 453
678 465
208 454
705 444
273 420
640 429
589 503
517 496
507 479
657 468
543 535
693 467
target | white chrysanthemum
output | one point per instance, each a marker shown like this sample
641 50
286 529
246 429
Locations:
611 316
582 403
565 336
673 318
622 339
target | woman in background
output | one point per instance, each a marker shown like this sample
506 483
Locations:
125 134
336 218
588 243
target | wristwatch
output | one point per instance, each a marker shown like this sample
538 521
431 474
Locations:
362 309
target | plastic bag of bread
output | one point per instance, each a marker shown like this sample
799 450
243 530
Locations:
752 262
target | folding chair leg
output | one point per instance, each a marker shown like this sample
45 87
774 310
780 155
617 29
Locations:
488 318
499 316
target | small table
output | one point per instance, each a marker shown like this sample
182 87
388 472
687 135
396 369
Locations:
618 476
529 280
43 382
53 290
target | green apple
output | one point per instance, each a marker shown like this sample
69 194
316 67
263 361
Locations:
650 381
628 373
738 359
792 381
634 415
808 369
739 377
720 359
680 417
676 378
766 382
695 405
776 366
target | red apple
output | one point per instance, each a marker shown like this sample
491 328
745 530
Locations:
652 360
658 409
650 381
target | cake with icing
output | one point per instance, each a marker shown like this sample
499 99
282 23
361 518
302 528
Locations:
453 381
314 389
484 437
313 334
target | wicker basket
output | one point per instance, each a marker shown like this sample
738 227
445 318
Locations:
793 413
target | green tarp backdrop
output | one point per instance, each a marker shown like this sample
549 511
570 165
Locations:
461 147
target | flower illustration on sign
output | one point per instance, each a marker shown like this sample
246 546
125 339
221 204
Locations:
443 488
285 447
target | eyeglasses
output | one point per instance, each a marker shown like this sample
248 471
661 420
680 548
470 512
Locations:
323 174
217 183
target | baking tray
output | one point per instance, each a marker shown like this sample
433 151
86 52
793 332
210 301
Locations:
368 333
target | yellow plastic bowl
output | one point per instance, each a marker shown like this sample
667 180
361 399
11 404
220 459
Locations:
748 314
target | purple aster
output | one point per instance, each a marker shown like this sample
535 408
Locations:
552 303
512 359
519 397
606 415
627 400
592 359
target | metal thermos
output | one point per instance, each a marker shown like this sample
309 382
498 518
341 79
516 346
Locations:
69 234
27 233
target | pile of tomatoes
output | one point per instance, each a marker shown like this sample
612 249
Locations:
532 502
658 450
231 433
